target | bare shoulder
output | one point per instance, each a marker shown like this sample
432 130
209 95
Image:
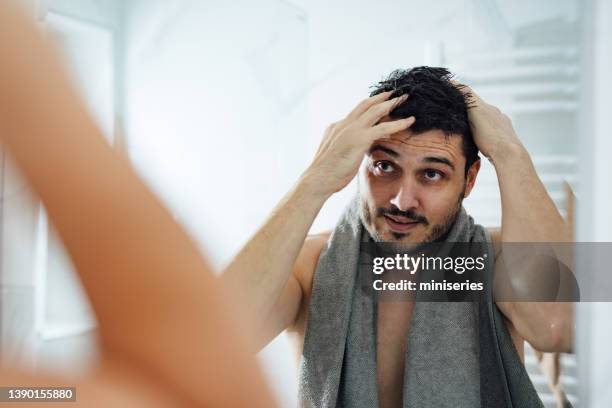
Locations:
306 262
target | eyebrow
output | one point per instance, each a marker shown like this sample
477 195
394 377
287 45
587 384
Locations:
428 159
438 159
390 152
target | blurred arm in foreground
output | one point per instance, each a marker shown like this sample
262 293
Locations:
167 337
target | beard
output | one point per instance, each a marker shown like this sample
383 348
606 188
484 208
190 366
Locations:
435 233
438 231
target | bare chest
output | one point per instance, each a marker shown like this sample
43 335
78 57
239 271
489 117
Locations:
393 325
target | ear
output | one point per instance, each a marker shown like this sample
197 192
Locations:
471 177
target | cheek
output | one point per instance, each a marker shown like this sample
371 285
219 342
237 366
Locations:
438 202
364 184
379 190
436 209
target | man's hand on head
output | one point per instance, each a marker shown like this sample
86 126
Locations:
347 141
493 132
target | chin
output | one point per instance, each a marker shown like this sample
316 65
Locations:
388 235
409 237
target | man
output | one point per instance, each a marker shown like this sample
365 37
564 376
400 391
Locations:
417 159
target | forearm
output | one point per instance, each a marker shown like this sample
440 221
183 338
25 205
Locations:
260 271
528 212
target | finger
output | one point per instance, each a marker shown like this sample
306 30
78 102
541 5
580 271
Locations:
367 103
392 127
376 112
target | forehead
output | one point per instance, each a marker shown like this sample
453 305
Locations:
408 145
432 142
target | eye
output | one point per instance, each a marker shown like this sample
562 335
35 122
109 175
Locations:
384 167
433 175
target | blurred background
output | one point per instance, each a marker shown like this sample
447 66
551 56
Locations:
220 105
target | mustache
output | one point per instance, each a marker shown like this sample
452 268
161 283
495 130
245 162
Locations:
413 216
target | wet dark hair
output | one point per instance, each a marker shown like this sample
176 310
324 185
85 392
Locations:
434 101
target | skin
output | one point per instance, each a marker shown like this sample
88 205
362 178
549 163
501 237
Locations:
167 335
273 273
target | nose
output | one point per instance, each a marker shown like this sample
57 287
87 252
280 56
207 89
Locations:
406 197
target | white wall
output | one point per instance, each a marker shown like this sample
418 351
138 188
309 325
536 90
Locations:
210 88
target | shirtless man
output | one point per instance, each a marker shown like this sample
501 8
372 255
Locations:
411 169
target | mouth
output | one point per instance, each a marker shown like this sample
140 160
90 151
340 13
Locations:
400 224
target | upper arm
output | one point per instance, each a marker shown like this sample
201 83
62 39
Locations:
545 325
294 298
507 308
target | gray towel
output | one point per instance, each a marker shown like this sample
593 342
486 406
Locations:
460 354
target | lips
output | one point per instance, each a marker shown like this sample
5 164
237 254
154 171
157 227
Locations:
400 224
